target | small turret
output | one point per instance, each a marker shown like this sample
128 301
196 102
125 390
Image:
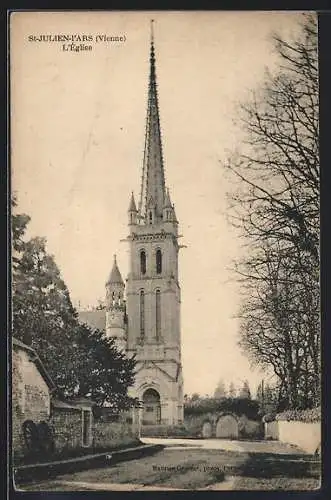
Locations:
168 215
115 287
115 307
132 211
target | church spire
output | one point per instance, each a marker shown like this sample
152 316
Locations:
115 275
153 181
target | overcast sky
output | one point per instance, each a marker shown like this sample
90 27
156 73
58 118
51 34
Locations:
78 122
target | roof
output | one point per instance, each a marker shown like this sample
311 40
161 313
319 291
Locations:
82 401
115 275
167 200
57 403
73 404
94 319
153 176
132 207
36 360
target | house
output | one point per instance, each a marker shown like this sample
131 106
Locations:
32 388
68 424
43 422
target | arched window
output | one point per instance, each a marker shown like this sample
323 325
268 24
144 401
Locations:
142 313
150 217
158 261
143 262
113 298
158 314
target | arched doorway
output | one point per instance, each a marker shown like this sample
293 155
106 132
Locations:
227 427
206 430
152 407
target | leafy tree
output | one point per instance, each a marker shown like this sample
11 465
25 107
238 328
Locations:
195 396
41 304
19 224
220 391
232 390
245 392
238 406
92 367
276 207
80 360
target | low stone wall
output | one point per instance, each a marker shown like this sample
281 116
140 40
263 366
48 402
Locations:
246 428
165 431
271 430
207 425
67 428
305 435
114 434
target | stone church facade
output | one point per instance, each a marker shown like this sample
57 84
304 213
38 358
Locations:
143 315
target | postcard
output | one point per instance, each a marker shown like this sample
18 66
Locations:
165 242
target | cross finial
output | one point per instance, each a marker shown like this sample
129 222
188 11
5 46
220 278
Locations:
114 257
152 31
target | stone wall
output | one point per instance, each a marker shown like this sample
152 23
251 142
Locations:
165 431
114 434
67 428
305 435
30 396
249 429
271 430
205 426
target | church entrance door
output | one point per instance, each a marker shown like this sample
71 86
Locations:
152 407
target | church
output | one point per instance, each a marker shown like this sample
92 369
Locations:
143 313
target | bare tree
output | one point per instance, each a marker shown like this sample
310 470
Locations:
276 206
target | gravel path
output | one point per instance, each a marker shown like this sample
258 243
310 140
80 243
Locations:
227 445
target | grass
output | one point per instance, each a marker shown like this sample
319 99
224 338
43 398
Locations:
199 468
276 483
64 454
187 468
268 465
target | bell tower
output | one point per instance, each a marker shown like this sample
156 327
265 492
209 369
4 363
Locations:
153 290
115 307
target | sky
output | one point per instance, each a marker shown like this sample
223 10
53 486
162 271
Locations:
77 127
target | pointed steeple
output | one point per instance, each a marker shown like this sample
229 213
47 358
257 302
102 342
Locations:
132 211
115 275
153 181
132 206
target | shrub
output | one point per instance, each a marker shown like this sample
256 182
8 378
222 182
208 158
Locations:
269 417
307 416
249 429
238 406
